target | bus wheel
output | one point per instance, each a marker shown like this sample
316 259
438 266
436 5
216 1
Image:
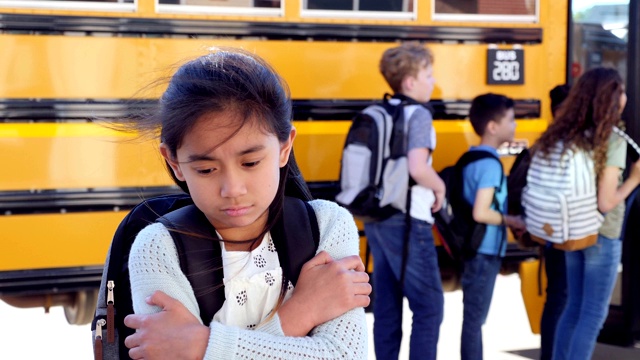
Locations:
82 308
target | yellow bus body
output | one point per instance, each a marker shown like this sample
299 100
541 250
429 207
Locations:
71 155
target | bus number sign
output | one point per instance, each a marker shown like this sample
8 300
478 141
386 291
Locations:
505 67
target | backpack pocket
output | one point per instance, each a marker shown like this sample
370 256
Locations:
546 215
585 218
354 177
561 219
395 184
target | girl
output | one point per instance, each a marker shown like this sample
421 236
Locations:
226 136
585 120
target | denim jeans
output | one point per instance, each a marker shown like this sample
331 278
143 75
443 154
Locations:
478 280
422 287
556 270
591 276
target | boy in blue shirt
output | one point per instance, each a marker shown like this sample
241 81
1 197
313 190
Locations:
492 118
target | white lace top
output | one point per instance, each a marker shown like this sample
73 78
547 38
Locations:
154 265
252 283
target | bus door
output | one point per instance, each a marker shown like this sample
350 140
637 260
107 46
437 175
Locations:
606 34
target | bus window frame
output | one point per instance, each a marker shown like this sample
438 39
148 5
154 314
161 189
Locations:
535 18
218 10
354 14
70 5
357 14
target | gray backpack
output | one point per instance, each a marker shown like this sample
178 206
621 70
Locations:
374 174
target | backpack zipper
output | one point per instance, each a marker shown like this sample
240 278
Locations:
110 313
97 344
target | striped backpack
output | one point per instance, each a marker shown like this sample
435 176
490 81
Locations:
560 199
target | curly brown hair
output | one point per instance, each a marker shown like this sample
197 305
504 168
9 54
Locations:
586 118
402 61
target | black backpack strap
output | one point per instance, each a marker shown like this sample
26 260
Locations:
472 156
200 257
297 238
116 267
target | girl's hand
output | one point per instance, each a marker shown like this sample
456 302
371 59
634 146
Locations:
515 223
173 333
635 171
326 289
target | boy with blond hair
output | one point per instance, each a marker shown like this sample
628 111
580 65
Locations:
409 269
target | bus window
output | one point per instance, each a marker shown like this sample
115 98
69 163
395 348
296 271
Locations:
362 5
487 10
225 3
108 5
599 36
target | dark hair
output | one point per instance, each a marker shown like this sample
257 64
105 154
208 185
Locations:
402 61
488 107
237 81
586 118
558 94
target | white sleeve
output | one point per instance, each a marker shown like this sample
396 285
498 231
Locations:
154 265
342 338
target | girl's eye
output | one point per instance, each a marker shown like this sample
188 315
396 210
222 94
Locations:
251 164
204 171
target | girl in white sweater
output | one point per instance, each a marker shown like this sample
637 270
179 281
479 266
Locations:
227 138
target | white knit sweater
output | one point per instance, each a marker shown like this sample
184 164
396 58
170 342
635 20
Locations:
154 265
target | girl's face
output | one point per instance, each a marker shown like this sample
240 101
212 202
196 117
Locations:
234 183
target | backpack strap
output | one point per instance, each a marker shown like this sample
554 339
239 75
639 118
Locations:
200 257
200 254
116 271
298 238
472 156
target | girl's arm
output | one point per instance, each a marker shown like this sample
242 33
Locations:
326 289
344 336
609 193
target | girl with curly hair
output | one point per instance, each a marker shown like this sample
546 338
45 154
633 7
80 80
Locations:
585 120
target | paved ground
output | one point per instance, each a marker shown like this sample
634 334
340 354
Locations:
506 334
31 334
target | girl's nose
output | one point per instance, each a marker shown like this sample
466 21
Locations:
233 185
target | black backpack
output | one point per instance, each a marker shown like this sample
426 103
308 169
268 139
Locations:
178 213
516 181
460 233
374 175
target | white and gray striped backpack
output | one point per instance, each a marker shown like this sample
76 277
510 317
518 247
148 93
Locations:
560 199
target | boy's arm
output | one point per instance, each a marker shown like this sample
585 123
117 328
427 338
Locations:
484 214
425 175
482 211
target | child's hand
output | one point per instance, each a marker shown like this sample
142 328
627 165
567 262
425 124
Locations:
173 333
635 171
326 289
516 224
437 204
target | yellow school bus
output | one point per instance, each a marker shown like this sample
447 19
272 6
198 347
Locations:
67 180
